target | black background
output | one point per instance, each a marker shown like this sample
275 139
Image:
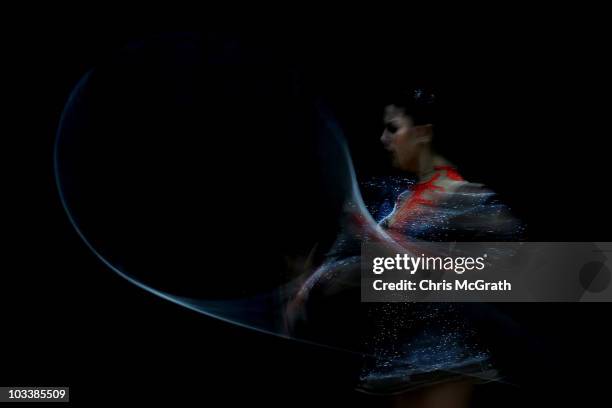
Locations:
535 103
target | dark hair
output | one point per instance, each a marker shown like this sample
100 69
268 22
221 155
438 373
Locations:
417 102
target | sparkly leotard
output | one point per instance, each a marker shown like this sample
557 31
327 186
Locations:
406 345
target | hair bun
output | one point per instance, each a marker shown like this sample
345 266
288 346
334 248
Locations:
423 96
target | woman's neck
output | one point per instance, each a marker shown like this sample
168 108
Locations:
428 163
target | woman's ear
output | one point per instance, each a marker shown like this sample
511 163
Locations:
424 133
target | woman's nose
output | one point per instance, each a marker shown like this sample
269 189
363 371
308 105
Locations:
386 138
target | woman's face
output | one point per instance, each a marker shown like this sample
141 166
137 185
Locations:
402 139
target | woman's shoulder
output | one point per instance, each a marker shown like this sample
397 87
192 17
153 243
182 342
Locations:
479 210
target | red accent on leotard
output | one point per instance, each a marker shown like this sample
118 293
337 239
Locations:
451 172
414 205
